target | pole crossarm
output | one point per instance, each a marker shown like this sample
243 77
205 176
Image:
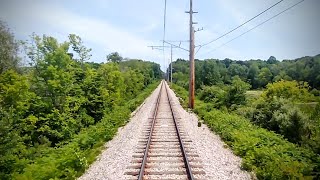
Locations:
176 46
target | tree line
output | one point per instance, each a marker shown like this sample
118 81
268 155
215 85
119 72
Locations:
258 73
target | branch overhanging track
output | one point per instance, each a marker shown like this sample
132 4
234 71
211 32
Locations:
165 152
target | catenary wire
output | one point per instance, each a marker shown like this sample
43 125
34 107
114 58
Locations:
256 26
205 44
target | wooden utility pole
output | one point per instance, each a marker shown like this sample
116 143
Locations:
171 66
191 59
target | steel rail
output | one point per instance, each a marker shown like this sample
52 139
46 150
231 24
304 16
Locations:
145 156
185 158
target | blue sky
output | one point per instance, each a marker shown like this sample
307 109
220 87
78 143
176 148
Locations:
128 26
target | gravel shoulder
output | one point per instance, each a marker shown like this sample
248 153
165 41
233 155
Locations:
113 161
218 162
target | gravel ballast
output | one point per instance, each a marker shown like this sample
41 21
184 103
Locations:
218 162
113 161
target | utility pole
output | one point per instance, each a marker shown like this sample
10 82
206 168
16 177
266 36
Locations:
191 59
171 66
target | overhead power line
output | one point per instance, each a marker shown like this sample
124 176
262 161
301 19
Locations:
205 44
257 26
164 20
164 29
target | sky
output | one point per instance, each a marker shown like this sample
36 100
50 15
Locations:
130 26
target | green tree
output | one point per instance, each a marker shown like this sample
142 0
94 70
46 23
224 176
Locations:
237 70
210 74
79 48
282 76
8 50
114 57
283 117
272 60
112 85
289 90
16 129
236 92
264 77
253 75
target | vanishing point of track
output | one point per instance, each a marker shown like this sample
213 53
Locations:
164 151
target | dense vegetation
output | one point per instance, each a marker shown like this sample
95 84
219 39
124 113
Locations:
257 73
238 98
56 113
266 153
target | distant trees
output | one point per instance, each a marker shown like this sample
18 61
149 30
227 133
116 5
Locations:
257 72
210 73
264 77
8 49
272 60
114 57
253 72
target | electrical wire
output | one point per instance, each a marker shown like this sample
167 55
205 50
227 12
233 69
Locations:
205 44
164 20
256 26
164 30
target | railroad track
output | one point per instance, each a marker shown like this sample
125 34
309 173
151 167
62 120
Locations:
164 150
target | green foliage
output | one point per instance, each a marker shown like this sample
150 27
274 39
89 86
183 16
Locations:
265 76
55 118
269 155
236 92
287 106
8 50
79 48
213 94
180 79
253 75
210 74
315 92
183 94
281 116
150 70
229 96
272 60
285 109
114 57
258 73
289 90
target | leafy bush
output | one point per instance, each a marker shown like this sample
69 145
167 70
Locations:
288 90
70 160
213 94
285 108
268 154
230 96
315 92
